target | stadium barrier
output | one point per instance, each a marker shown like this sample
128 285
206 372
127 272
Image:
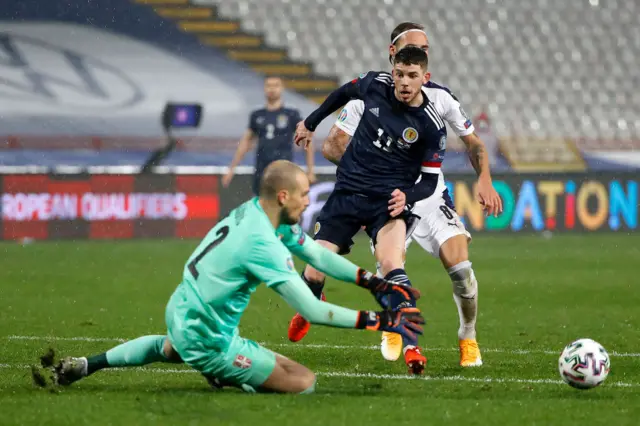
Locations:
113 206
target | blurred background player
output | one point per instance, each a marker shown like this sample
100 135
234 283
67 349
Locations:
252 245
376 179
273 126
440 231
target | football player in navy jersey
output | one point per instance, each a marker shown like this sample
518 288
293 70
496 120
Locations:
440 231
398 140
273 126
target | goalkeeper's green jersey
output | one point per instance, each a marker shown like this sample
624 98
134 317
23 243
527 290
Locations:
242 251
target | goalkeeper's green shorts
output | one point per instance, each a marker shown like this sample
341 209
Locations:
237 362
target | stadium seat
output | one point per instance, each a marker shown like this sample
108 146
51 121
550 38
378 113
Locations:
544 70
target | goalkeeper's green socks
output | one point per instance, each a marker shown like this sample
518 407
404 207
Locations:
141 351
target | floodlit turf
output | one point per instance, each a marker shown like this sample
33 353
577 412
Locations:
536 295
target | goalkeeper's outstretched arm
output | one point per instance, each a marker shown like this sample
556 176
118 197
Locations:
336 266
296 293
270 262
324 260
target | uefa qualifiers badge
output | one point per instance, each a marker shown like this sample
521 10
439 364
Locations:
443 142
410 135
297 230
343 114
290 264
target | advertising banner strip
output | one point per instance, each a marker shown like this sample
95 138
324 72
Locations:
84 206
107 206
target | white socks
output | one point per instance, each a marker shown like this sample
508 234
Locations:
465 294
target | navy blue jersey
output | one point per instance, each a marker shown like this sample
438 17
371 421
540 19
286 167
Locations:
393 142
275 130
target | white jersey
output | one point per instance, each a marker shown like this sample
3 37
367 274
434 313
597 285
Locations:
446 106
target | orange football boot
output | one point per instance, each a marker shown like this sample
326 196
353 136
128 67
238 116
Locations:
416 362
299 326
469 353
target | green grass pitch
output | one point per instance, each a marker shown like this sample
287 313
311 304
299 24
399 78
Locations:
536 295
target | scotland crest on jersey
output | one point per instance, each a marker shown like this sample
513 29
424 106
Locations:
282 121
410 135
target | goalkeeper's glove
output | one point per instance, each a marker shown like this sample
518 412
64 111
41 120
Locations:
380 288
406 322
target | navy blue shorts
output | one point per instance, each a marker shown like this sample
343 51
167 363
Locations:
345 213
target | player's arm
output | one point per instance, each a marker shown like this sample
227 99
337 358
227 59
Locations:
463 127
335 144
245 145
298 295
309 153
270 262
342 130
477 155
355 89
337 98
424 188
480 161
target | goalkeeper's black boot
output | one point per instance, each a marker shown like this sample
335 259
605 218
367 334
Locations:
69 370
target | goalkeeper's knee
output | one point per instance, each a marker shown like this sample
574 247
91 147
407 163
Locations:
463 280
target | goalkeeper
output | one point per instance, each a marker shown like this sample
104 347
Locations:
252 245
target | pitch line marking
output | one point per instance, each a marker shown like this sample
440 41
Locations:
324 346
341 374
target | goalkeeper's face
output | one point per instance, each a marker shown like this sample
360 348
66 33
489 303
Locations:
294 202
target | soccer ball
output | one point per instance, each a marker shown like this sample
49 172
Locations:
584 364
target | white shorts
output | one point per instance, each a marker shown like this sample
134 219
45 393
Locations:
438 223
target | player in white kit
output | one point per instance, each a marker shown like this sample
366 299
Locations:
440 231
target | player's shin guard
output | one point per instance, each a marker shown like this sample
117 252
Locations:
465 294
141 351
